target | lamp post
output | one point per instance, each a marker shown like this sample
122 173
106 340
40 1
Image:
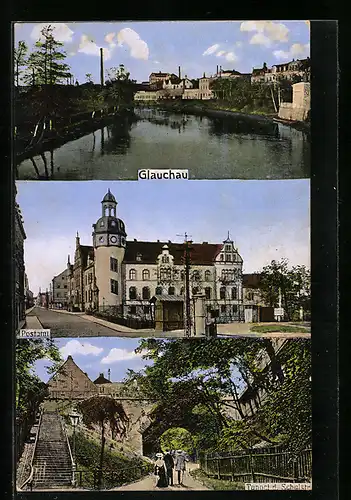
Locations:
74 421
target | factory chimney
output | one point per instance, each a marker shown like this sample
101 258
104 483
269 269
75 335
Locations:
179 73
101 67
109 374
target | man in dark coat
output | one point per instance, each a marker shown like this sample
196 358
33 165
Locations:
169 462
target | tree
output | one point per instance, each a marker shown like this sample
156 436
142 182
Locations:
30 390
104 410
20 59
46 63
177 438
89 78
292 283
201 385
118 87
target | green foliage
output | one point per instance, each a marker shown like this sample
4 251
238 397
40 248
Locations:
30 390
118 469
45 65
199 385
177 438
119 88
278 328
293 282
20 59
215 484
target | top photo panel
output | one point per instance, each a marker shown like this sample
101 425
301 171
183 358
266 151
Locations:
170 99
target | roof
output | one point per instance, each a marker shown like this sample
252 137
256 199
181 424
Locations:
71 361
201 253
231 71
160 74
102 380
251 280
85 252
174 80
258 71
109 197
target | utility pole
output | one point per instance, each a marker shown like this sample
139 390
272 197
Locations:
187 262
102 67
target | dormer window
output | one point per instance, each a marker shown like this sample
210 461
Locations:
221 257
113 223
165 259
138 257
228 248
228 257
102 223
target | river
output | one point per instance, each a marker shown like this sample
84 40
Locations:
221 147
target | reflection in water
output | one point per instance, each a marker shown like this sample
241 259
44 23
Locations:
218 147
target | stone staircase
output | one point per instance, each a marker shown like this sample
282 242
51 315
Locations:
52 463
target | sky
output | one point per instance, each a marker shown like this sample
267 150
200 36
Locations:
266 219
198 47
96 355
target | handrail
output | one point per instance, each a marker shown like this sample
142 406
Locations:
30 478
63 426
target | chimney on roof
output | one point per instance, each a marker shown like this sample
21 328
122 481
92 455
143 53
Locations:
158 241
135 239
169 241
69 357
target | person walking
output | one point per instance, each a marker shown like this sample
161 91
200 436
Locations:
179 464
160 472
168 459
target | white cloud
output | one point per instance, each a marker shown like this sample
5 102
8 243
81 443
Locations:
61 31
83 348
211 50
138 47
239 44
260 39
221 53
88 46
109 37
120 355
231 57
297 50
275 32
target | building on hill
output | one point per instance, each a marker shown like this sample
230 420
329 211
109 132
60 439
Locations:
158 78
138 279
258 74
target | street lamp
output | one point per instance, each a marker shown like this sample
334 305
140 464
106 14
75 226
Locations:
74 421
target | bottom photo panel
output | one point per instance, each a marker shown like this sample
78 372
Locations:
107 413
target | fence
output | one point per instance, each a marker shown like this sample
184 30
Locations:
112 479
259 465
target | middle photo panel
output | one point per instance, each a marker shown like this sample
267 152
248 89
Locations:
168 259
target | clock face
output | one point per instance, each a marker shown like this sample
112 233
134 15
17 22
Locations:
101 239
113 239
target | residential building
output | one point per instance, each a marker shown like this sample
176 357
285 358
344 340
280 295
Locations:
133 278
60 286
258 74
20 295
204 88
29 298
156 79
143 95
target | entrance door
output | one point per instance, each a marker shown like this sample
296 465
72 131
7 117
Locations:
173 318
248 315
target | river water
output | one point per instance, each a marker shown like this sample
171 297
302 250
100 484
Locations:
210 148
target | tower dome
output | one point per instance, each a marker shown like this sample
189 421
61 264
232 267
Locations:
109 229
109 197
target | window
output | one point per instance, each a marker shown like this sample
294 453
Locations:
195 290
171 290
65 286
234 293
196 275
146 274
228 248
146 292
182 275
138 257
165 274
208 292
221 257
223 309
132 274
58 294
58 286
113 264
158 290
132 309
222 292
235 308
62 277
207 275
228 257
86 279
146 309
165 259
132 293
86 295
90 278
114 286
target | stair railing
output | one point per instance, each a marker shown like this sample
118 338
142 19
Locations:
63 425
29 480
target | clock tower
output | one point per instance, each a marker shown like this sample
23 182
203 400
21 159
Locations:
109 240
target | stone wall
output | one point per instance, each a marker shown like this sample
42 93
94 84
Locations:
297 110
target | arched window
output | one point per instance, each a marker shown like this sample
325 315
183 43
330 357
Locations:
207 275
222 292
132 293
208 292
132 274
146 292
234 293
165 274
195 290
158 290
171 290
165 259
146 274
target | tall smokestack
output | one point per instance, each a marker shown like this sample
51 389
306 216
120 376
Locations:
109 374
217 70
179 72
102 67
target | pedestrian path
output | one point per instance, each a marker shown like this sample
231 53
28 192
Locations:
148 484
33 323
